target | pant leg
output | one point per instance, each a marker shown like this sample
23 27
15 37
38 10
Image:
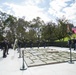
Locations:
4 52
70 46
75 47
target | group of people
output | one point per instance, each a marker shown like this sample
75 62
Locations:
72 43
5 48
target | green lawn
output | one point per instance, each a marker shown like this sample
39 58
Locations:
67 38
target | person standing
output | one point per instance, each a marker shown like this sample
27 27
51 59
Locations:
74 42
5 48
70 44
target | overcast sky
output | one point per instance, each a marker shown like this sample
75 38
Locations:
47 10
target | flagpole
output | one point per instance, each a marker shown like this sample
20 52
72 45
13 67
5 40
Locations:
15 44
14 47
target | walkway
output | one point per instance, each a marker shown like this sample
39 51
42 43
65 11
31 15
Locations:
11 65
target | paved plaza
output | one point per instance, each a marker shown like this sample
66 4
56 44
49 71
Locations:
45 56
12 64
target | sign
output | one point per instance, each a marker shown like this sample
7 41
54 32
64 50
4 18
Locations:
74 30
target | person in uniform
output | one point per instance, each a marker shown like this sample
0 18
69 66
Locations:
74 43
5 48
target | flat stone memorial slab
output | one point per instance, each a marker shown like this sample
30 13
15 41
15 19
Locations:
36 57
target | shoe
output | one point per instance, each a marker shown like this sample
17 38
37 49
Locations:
4 56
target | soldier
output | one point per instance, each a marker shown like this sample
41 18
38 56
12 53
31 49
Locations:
5 48
70 44
74 42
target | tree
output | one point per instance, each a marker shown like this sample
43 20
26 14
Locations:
11 24
61 29
48 32
36 26
3 17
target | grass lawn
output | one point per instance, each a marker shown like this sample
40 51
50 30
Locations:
67 38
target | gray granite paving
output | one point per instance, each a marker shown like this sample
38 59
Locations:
44 56
11 65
